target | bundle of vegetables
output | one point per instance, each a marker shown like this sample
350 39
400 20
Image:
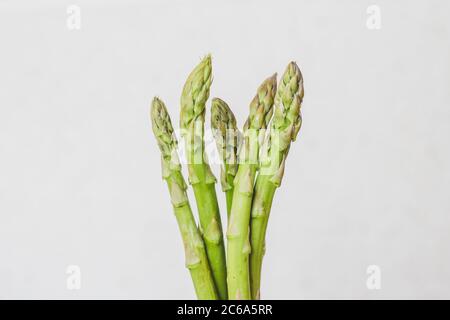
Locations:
252 168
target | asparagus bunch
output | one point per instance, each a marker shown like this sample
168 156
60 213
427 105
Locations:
252 169
196 259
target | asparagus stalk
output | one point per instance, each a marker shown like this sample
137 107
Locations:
238 249
225 133
284 129
192 118
196 259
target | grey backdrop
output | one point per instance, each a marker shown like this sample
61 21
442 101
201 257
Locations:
367 182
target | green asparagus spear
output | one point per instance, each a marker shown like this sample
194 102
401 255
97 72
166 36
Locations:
196 259
238 249
225 133
284 129
192 119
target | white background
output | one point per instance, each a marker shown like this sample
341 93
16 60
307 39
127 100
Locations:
366 183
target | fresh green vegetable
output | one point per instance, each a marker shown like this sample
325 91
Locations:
192 119
285 126
252 168
223 124
238 249
196 259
